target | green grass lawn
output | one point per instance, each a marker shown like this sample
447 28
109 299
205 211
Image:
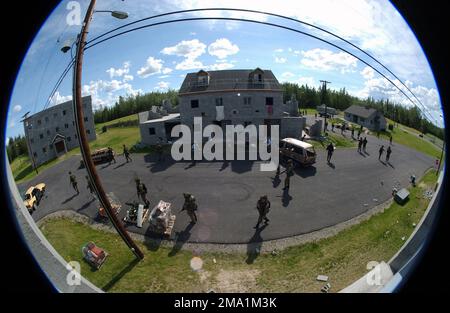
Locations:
342 257
115 137
337 140
405 138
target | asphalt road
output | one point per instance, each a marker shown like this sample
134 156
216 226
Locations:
320 196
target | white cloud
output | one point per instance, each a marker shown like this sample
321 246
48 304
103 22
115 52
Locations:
151 67
280 60
17 108
162 85
279 50
189 64
166 70
287 75
113 72
163 76
220 66
367 73
58 98
380 88
190 49
106 93
326 60
222 48
127 78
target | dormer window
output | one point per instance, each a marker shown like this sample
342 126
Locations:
257 76
202 78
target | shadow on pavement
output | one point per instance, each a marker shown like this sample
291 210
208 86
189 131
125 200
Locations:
362 154
120 165
305 171
331 164
158 166
122 273
286 198
276 181
181 238
240 167
69 199
85 206
225 164
254 245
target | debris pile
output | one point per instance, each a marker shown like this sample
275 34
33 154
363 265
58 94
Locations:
161 218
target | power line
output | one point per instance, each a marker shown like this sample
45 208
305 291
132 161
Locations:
256 22
274 15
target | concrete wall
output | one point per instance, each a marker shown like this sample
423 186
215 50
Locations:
42 127
292 127
234 108
158 137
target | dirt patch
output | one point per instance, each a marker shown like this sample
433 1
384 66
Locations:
235 281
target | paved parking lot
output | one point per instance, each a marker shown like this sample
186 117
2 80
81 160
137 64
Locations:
320 196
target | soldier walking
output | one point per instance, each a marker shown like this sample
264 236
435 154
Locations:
330 149
126 153
390 140
364 144
111 155
380 152
73 182
159 150
190 206
263 207
90 187
359 133
360 144
388 153
289 171
141 190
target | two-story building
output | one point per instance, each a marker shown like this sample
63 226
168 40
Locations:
52 132
231 97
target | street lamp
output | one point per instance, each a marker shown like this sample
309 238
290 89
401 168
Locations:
82 136
117 14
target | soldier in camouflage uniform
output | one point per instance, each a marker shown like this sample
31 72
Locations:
73 182
141 190
89 186
289 172
111 155
190 206
263 207
126 153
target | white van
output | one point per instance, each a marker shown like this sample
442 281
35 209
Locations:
297 150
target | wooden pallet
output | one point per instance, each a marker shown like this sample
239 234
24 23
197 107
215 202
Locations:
169 228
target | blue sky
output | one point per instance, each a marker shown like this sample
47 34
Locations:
158 58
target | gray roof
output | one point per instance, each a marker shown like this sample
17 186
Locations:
361 111
230 80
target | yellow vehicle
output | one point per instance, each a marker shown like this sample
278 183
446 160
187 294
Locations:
33 196
297 150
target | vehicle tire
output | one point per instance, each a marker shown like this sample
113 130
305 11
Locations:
33 208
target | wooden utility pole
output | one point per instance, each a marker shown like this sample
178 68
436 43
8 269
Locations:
324 91
84 145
